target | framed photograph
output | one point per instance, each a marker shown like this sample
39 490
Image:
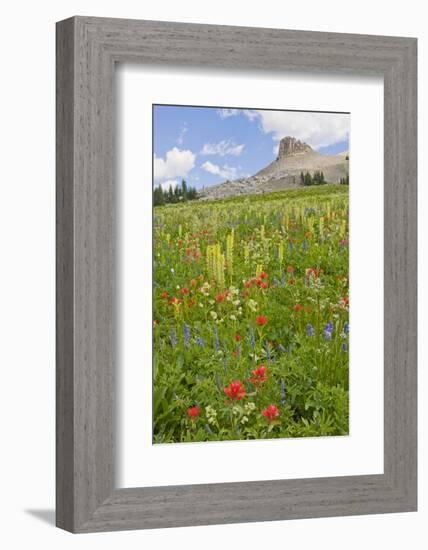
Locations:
236 274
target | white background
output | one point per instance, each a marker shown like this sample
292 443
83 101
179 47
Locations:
362 451
27 275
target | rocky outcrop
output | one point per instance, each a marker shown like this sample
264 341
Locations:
291 146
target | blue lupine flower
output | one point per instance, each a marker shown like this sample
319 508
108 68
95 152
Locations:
173 337
304 245
252 338
186 334
200 342
328 330
282 392
344 347
282 282
346 328
311 331
216 340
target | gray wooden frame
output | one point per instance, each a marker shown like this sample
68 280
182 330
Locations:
87 50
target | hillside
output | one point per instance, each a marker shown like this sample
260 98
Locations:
284 172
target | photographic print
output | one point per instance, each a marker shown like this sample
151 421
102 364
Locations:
250 274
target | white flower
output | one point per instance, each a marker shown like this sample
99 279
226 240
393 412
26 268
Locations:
213 315
232 318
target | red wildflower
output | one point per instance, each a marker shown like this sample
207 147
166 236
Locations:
310 272
263 275
264 285
184 291
219 298
292 281
174 300
344 302
271 413
298 308
193 412
237 337
290 269
259 282
261 320
235 391
248 284
193 282
164 295
259 375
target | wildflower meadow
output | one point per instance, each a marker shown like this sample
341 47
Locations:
251 317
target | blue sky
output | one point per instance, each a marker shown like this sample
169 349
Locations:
208 145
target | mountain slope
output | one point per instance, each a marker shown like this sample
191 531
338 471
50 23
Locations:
293 158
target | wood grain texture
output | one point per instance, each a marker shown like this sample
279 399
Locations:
87 50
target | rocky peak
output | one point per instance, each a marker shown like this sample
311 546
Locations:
291 146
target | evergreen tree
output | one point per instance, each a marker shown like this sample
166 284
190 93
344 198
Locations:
308 179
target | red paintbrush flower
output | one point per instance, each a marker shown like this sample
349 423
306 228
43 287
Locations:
290 269
259 375
261 320
271 413
164 295
184 291
235 391
237 337
263 275
193 412
298 308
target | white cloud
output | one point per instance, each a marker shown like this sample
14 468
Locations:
177 163
165 185
183 131
225 113
251 114
316 129
226 172
223 148
275 149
